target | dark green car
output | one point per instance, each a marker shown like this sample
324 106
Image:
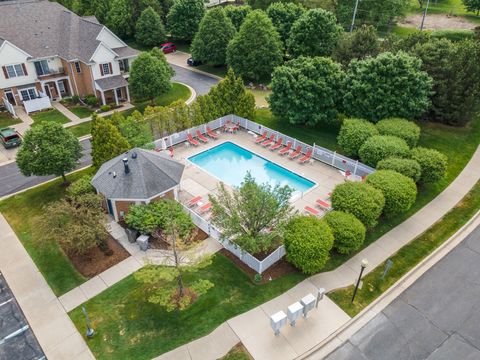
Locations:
10 138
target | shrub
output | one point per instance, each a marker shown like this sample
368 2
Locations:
91 100
402 128
104 108
308 241
75 99
348 231
353 133
359 199
407 167
399 190
380 147
432 162
81 186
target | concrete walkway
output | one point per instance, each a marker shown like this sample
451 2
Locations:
54 330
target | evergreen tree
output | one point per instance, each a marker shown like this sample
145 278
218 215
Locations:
149 30
107 142
184 17
359 44
256 49
119 19
211 41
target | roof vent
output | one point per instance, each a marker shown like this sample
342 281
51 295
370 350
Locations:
114 174
134 155
125 164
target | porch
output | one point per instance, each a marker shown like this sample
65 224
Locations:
57 88
113 89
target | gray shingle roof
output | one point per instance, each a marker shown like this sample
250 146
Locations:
151 173
44 29
111 82
126 51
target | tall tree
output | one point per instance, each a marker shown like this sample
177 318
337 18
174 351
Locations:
359 44
237 14
107 142
283 15
135 129
184 17
119 18
48 149
306 90
256 49
472 5
252 216
315 33
264 4
211 41
149 30
150 75
229 96
390 85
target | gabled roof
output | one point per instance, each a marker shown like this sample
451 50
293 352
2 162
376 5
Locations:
45 29
111 82
151 174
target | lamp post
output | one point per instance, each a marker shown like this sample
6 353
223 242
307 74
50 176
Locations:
363 265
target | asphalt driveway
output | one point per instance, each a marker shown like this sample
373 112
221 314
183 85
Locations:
437 318
201 83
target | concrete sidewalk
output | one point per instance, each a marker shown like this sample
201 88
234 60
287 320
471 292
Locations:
54 330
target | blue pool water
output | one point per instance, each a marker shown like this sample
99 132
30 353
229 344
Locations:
230 163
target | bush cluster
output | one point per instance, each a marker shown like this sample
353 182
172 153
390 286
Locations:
359 199
402 128
91 100
399 190
380 147
81 186
353 133
432 162
407 167
348 231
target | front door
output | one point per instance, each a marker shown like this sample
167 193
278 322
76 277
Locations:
119 94
10 97
47 91
110 207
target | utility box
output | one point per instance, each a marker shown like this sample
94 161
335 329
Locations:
278 320
294 312
142 241
308 303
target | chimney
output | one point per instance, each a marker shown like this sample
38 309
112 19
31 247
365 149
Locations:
125 164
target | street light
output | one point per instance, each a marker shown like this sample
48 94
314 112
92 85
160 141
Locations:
363 265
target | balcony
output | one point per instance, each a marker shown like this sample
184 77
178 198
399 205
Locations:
50 72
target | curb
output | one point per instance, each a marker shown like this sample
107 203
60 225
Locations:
193 69
193 93
340 336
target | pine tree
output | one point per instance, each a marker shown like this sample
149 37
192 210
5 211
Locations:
107 142
149 30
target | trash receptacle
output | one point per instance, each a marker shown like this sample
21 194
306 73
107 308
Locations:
142 241
131 235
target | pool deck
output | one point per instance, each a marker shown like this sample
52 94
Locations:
198 182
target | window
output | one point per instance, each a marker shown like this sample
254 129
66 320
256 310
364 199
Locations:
42 67
106 69
61 87
11 71
28 94
124 66
78 68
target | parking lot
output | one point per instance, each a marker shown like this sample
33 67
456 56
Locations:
17 340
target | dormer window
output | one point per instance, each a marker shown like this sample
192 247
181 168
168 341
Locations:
106 69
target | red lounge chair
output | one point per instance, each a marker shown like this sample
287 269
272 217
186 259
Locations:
201 137
205 208
286 149
296 153
277 144
269 141
323 204
194 201
261 138
192 141
307 157
211 133
171 152
312 211
236 127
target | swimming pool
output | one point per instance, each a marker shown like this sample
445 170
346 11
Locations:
230 163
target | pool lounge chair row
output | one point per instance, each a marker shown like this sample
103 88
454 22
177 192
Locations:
200 137
322 204
287 149
203 208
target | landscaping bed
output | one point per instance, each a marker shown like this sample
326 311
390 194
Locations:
238 352
51 115
160 244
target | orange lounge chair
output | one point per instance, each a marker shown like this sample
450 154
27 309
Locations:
201 137
269 141
192 141
311 211
211 134
194 201
323 204
277 144
261 138
205 208
296 153
286 149
307 157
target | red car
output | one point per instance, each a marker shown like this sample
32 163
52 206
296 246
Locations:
168 47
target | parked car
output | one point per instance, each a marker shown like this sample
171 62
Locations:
168 47
192 62
10 138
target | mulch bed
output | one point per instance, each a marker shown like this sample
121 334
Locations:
98 260
156 243
279 269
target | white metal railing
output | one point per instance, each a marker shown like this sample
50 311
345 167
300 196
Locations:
9 107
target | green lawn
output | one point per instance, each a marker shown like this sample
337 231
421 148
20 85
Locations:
81 111
447 139
178 92
7 120
128 327
215 70
21 211
81 129
408 256
238 352
52 115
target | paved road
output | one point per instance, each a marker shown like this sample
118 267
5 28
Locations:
437 318
199 82
17 340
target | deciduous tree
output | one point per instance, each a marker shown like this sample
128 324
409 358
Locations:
119 18
135 130
184 17
107 142
283 15
149 30
237 14
359 44
472 5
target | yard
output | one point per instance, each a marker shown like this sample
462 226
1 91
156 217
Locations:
128 327
81 111
51 115
7 120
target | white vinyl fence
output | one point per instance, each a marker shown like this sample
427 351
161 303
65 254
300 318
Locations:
9 107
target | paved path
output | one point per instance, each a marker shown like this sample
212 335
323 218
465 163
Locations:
54 330
435 318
